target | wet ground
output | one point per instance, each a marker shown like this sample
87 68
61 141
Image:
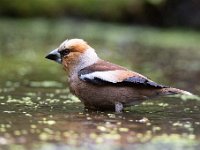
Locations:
38 112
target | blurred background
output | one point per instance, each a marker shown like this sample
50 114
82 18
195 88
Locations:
157 38
165 13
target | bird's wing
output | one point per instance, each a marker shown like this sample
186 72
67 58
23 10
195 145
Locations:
105 73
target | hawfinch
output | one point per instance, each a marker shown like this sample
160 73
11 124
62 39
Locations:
102 85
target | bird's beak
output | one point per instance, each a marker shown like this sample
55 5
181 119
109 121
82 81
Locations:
55 56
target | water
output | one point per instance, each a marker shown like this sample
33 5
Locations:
45 116
38 111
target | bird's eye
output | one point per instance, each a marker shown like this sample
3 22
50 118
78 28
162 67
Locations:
64 52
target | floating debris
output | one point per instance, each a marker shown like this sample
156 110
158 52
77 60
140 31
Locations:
143 120
186 97
123 129
101 128
46 84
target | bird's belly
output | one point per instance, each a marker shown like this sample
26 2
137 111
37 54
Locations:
100 96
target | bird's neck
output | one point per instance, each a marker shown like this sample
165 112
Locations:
88 58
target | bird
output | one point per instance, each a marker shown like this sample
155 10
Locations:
102 85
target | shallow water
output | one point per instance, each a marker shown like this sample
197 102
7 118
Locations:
42 116
38 112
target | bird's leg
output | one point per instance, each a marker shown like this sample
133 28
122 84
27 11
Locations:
118 107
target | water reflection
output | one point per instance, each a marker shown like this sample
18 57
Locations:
37 119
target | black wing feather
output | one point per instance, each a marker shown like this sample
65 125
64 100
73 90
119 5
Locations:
131 81
142 82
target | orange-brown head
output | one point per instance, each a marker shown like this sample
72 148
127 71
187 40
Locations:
73 53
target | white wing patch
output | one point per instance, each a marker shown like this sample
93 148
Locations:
110 76
117 76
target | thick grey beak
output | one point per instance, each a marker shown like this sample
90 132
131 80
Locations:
55 56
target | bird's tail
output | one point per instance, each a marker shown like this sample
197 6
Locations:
172 91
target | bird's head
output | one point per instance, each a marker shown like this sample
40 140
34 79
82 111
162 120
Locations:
72 53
